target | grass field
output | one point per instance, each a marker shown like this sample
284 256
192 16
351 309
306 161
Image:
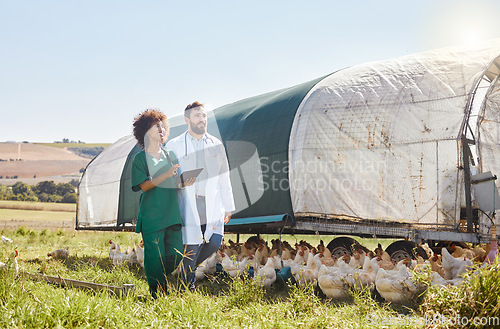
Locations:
219 302
44 206
37 214
63 145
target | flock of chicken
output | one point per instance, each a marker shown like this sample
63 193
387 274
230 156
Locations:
131 255
308 265
305 264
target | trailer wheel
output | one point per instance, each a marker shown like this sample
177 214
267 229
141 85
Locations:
341 246
400 250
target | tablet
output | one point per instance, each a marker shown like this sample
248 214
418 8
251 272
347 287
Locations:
188 175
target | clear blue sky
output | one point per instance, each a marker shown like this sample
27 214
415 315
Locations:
83 69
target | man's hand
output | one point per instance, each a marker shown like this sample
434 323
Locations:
227 217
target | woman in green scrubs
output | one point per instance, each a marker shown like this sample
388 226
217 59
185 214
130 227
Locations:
154 171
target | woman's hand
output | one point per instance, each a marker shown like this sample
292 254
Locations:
173 170
189 182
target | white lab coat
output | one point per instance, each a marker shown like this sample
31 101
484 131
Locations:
219 194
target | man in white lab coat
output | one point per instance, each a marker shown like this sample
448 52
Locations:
207 205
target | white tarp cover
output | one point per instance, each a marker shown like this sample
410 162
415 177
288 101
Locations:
100 185
488 132
379 140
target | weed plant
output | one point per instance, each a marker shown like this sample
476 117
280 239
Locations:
476 298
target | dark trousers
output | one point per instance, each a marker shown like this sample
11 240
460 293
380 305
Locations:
162 254
194 255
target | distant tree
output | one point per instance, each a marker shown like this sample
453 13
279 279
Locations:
29 197
14 197
64 188
65 140
5 192
69 198
48 187
55 198
43 197
74 182
20 188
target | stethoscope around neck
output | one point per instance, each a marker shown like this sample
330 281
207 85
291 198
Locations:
210 149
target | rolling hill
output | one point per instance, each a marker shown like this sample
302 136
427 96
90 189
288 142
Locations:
32 163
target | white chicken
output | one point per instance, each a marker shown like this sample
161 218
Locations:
112 249
336 281
452 265
59 253
308 274
365 277
208 266
139 250
296 263
327 258
396 287
266 275
261 254
231 265
6 239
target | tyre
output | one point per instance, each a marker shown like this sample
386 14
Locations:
341 246
400 250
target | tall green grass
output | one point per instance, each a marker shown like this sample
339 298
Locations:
475 301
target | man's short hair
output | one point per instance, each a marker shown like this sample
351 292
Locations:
187 111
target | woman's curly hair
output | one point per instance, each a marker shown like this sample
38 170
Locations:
145 120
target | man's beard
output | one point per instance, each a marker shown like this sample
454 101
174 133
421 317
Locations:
198 130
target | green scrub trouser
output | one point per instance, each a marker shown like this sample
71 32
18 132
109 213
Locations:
162 254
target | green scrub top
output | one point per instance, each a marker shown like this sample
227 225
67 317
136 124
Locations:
158 207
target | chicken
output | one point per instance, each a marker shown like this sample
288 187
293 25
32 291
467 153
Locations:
245 250
115 254
6 239
59 253
308 274
357 259
365 277
436 265
396 287
327 258
231 265
321 246
112 249
479 254
261 254
296 263
131 256
287 254
11 262
459 252
384 261
427 250
452 265
336 281
266 275
209 266
139 249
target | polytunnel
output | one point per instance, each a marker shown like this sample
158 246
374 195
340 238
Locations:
411 141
